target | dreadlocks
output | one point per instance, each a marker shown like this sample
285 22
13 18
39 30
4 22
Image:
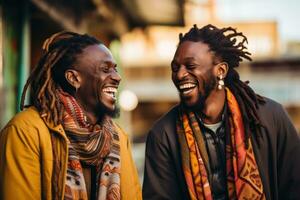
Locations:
226 47
60 51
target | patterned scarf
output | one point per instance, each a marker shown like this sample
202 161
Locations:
243 179
91 145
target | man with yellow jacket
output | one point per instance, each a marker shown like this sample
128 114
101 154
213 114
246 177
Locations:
66 145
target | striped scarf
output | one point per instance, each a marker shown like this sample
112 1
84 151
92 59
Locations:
91 145
243 179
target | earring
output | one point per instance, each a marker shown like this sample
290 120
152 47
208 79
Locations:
220 82
76 89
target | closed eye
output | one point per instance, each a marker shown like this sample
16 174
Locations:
174 67
190 66
105 69
107 66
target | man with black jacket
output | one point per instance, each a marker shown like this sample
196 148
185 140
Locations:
223 141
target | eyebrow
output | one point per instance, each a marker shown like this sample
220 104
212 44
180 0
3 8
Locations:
107 62
174 61
189 59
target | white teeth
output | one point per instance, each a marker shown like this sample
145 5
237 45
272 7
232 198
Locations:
110 94
110 91
186 85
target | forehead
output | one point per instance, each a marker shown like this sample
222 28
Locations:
94 54
190 49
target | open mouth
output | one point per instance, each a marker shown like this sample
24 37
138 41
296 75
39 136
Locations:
110 91
186 88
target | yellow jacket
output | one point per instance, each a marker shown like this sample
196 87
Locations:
26 160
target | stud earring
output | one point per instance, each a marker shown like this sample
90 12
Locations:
220 82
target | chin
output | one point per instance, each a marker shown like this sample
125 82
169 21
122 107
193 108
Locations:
111 111
194 105
114 113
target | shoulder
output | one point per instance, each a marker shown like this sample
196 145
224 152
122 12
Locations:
27 117
26 125
271 106
276 118
272 111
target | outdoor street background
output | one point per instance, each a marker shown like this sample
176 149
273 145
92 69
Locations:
142 35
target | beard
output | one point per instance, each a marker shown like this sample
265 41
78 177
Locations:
208 86
115 113
103 110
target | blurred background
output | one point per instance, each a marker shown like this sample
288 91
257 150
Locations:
143 34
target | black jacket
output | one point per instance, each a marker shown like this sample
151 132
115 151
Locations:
277 154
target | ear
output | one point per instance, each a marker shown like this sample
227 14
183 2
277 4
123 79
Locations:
221 69
73 78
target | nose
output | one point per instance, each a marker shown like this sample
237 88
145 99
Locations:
181 73
116 77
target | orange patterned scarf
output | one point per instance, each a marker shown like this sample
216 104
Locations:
91 145
243 179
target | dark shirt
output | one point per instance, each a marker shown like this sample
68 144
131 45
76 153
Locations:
215 146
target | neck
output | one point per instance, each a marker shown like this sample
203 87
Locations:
91 113
213 108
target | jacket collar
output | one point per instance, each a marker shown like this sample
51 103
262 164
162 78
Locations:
50 124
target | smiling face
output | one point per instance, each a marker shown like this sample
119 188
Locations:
98 79
193 73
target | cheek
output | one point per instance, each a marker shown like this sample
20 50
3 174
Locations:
98 86
199 79
209 84
173 77
203 77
